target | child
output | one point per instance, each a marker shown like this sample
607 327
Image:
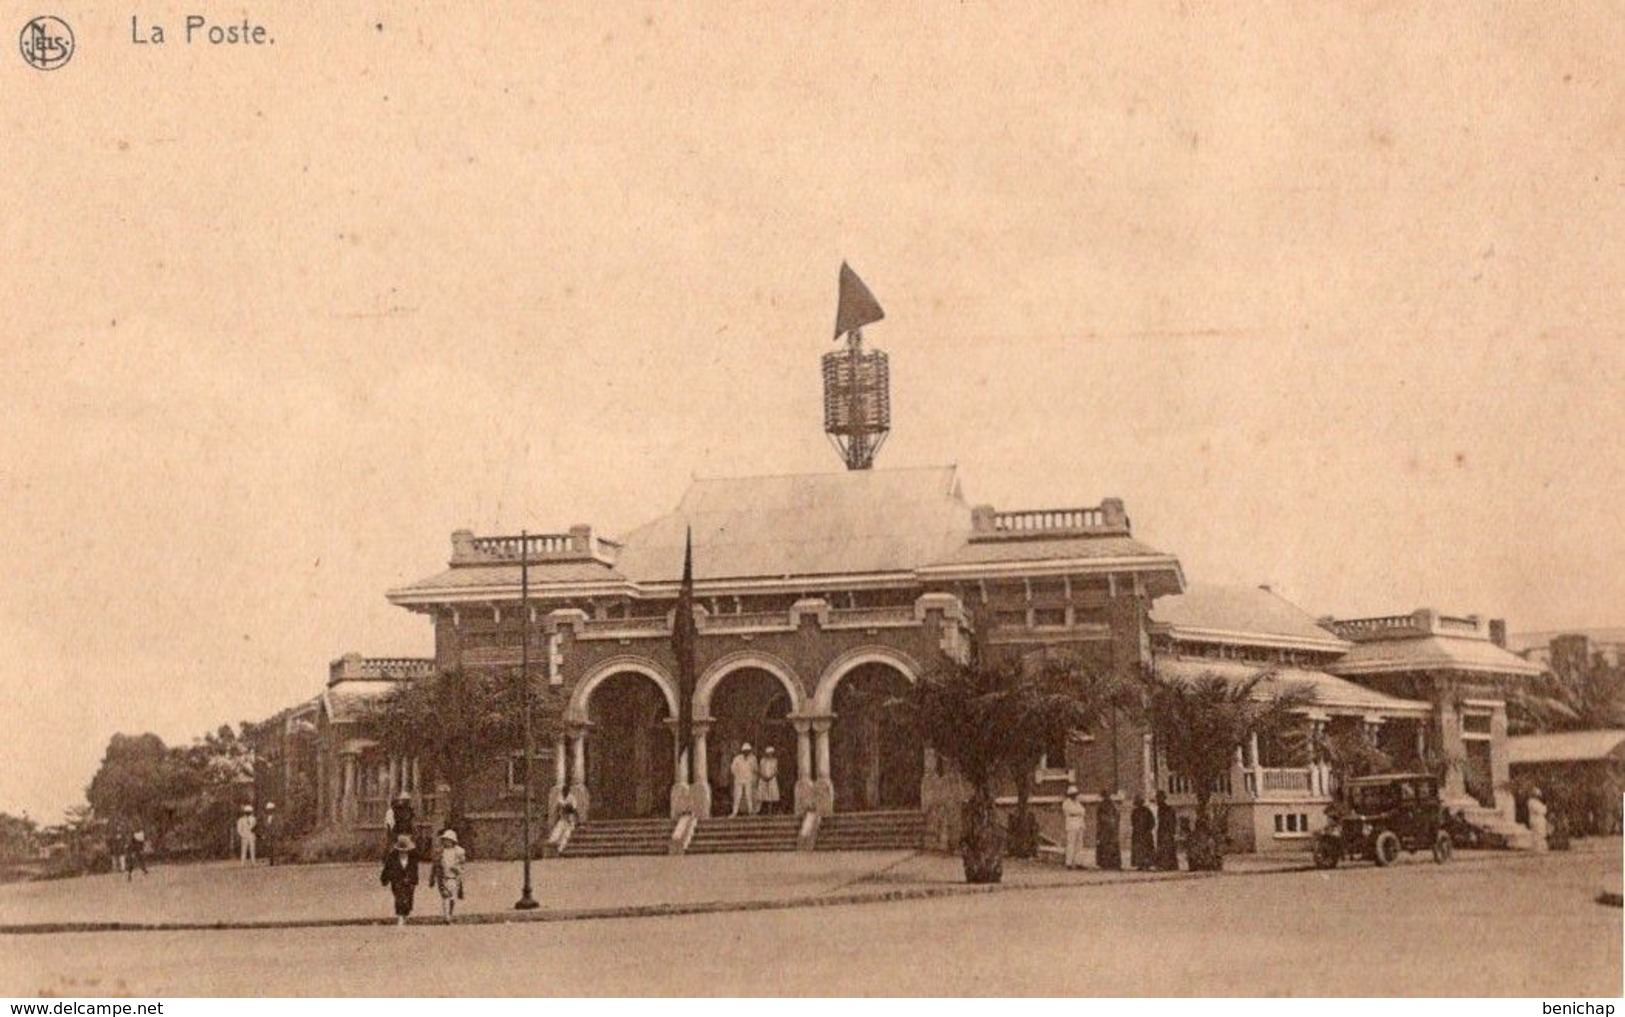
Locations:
447 873
401 875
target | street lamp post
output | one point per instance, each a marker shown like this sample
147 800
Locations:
526 901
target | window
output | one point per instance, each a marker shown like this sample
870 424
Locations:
1292 822
1475 723
1049 617
1054 750
516 768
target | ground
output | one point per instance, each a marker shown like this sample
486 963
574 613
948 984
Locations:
1490 925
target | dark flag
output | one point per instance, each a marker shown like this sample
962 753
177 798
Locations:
685 640
858 307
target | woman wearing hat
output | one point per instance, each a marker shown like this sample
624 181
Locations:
1074 814
767 781
447 873
401 875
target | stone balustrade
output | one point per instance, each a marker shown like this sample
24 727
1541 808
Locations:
1107 519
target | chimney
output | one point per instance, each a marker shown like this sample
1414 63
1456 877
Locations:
1498 632
981 519
1113 514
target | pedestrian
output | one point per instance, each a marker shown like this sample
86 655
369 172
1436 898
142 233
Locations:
135 854
743 772
266 835
1537 821
447 873
767 781
400 874
1075 817
1108 849
1167 834
1142 843
400 818
246 847
116 845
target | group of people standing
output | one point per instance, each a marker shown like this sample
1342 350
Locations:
755 781
402 861
254 837
1153 838
128 851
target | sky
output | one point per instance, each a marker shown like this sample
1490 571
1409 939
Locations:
1329 295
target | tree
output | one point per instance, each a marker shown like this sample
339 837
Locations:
461 721
989 716
141 782
19 838
1053 694
1348 751
1581 692
1199 723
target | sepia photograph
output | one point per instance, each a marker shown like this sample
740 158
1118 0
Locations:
1101 499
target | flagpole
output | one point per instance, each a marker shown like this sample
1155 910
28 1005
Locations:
526 901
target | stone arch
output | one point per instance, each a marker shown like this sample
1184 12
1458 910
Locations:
724 666
823 700
623 664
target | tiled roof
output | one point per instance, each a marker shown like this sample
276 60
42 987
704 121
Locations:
1566 747
1331 692
350 700
1245 614
1048 550
471 577
854 521
1432 652
849 523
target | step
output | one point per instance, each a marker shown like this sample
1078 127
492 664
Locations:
745 833
608 837
871 831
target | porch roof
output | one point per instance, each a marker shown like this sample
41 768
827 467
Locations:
1566 747
1247 615
350 700
1432 653
1331 693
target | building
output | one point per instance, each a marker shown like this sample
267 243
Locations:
1579 773
821 595
1576 646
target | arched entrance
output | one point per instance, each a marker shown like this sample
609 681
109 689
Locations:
876 760
630 765
751 705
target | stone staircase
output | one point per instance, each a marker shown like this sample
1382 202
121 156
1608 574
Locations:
871 831
1517 835
745 833
598 838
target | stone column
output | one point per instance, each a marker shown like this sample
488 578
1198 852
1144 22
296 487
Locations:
700 770
823 787
347 795
561 766
806 790
578 776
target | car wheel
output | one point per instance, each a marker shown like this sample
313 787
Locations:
1443 848
1386 850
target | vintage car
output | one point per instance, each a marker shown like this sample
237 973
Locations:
1382 816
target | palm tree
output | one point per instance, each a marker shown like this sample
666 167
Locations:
1053 694
989 715
1199 724
1577 694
